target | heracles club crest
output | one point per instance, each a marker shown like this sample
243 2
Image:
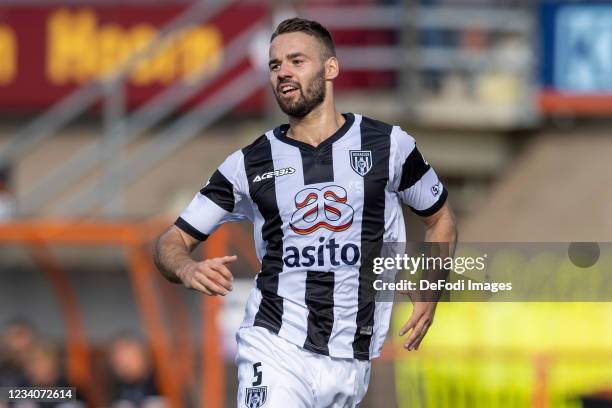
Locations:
361 161
256 397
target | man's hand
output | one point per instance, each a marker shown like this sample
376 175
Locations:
440 228
419 322
211 277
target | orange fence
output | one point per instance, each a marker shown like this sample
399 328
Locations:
175 371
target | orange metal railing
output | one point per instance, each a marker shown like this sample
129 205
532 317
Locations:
175 370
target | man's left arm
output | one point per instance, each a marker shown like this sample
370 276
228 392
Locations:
441 236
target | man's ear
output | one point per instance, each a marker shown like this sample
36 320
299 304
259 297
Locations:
332 68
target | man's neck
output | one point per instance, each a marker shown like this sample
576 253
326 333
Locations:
315 127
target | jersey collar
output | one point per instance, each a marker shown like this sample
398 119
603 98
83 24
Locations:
281 134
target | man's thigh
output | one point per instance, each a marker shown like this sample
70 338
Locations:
342 383
272 373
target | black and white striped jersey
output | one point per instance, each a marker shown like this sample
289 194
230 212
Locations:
314 209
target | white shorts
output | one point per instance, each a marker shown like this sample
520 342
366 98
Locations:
275 373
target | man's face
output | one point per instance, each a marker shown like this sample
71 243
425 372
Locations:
297 73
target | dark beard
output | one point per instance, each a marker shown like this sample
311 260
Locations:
313 97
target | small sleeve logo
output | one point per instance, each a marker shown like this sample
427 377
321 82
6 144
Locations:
436 189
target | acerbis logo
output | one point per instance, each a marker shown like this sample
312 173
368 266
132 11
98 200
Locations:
321 208
277 173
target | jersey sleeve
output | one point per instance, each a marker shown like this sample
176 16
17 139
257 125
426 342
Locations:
224 198
413 178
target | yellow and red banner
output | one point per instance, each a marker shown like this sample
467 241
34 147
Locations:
48 51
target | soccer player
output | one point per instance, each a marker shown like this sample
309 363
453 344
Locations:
318 191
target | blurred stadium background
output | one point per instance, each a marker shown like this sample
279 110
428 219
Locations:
113 114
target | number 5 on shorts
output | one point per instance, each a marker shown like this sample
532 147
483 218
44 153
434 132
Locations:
257 374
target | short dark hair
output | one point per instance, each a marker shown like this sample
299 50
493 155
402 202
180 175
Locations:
301 25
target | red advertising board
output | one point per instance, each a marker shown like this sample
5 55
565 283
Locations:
48 51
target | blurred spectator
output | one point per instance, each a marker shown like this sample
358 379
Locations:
16 342
7 198
133 383
43 366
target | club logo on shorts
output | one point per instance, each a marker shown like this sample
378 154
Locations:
321 208
256 397
361 161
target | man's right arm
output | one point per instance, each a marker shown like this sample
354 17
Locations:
172 253
172 258
222 199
